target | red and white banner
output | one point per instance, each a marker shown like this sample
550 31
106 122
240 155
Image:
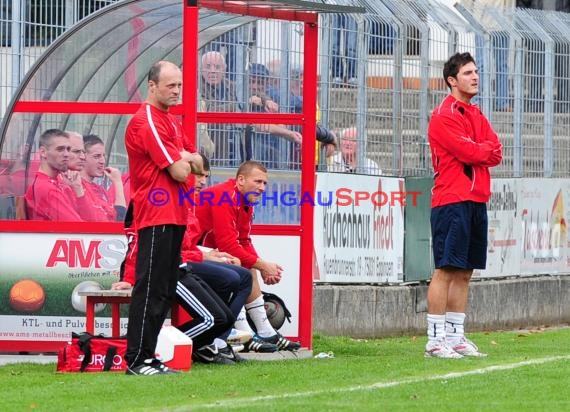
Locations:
41 275
359 232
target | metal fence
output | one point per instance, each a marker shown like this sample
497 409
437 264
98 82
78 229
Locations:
380 78
27 27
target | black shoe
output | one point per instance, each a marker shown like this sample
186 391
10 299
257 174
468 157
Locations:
229 353
210 354
205 354
281 342
222 360
256 344
150 367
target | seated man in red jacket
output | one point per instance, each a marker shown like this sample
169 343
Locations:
226 226
108 205
53 195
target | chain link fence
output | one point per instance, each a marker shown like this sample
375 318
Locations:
380 76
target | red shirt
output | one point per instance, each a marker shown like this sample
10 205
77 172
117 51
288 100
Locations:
462 142
154 140
102 202
129 272
190 251
226 221
49 199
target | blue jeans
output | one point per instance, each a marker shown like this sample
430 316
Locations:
232 283
344 24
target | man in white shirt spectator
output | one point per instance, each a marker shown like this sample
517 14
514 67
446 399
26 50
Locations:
347 159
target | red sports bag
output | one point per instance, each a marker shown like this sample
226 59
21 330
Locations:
88 353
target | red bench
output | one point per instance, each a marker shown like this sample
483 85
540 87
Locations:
113 297
116 298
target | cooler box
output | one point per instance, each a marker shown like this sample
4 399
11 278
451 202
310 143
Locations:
174 349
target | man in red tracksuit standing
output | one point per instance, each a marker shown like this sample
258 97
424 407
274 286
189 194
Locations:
463 146
160 162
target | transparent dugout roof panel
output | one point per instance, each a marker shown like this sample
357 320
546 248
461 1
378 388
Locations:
107 56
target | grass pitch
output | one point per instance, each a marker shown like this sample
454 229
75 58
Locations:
525 371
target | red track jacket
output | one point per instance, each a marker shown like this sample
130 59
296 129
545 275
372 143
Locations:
462 142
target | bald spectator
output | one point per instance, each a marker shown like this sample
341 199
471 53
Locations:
219 95
347 160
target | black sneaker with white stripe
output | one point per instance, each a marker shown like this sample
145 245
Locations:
165 369
150 367
257 344
281 342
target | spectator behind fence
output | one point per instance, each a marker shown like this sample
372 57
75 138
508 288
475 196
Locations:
293 103
107 204
225 44
464 147
219 95
344 49
267 139
347 159
52 195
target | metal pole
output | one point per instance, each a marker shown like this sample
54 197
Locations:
18 8
362 95
71 13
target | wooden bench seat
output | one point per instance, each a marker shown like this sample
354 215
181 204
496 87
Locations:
115 298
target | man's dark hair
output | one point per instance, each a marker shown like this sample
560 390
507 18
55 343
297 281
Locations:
91 140
454 64
205 163
49 134
247 167
154 72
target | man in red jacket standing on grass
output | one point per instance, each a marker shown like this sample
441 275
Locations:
160 162
463 146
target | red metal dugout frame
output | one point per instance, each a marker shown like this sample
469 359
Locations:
263 9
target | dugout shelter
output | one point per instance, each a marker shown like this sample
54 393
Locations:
91 80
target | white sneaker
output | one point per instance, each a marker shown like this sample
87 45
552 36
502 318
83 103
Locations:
441 349
239 336
467 348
